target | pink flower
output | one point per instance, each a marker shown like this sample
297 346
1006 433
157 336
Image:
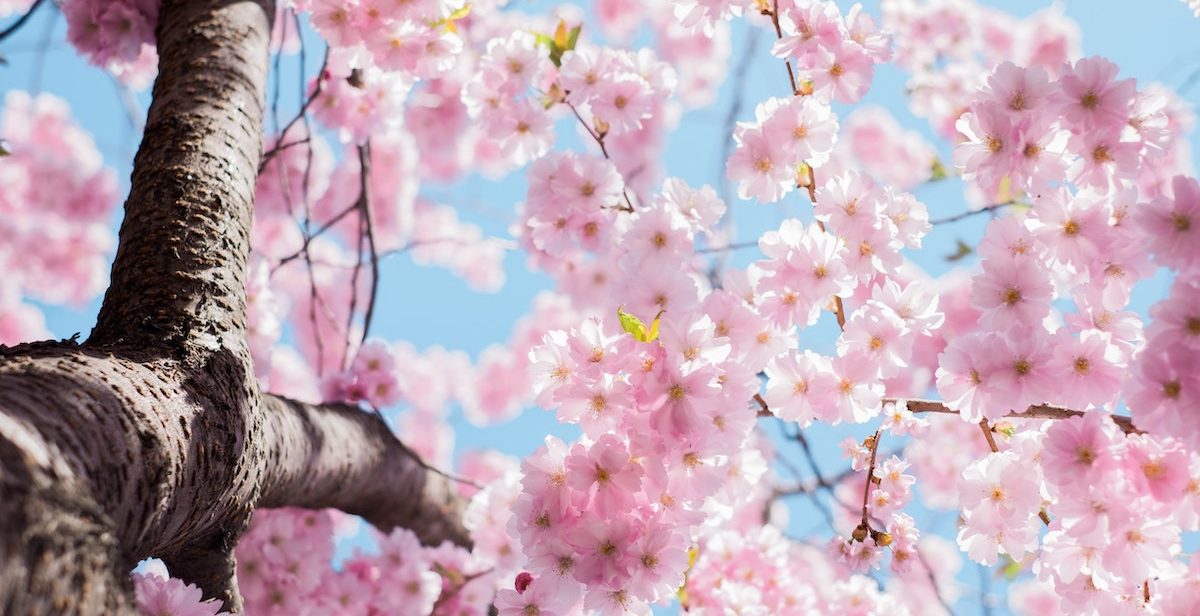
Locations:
807 276
552 367
1174 224
622 103
1090 370
1177 318
1158 466
877 334
804 126
605 551
986 155
1165 390
1003 483
1142 551
760 166
1039 153
541 596
336 21
1011 292
1018 89
523 130
1104 159
858 392
701 207
1091 98
842 73
1025 374
1079 452
965 371
157 595
809 27
1072 229
607 470
661 559
986 532
800 387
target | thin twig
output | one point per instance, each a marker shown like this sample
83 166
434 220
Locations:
991 441
839 309
364 158
308 238
937 592
599 138
300 115
360 205
987 434
1036 411
16 25
774 13
870 475
968 214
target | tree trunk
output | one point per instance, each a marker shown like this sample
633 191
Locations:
152 438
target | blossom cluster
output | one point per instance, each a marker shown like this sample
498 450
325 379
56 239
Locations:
1115 505
118 36
662 359
284 568
662 425
57 200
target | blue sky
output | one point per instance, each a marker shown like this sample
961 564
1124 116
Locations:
1151 40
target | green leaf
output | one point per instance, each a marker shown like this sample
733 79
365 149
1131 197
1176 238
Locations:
460 13
937 171
4 148
1011 568
961 251
561 42
636 328
560 35
574 37
682 594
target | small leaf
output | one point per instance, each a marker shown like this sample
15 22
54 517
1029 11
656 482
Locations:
937 171
632 325
682 594
636 328
1004 191
560 35
961 251
574 37
460 13
4 148
1011 568
654 326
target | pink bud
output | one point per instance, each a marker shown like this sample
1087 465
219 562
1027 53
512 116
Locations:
524 579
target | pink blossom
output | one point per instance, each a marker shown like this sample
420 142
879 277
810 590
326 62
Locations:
800 387
1091 96
1012 291
760 166
157 595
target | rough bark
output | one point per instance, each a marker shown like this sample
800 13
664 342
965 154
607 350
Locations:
152 439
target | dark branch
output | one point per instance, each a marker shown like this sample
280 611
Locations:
16 25
178 281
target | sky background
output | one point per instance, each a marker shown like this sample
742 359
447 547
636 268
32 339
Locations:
1151 40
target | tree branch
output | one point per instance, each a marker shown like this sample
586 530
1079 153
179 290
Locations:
16 25
1037 411
178 281
340 456
153 439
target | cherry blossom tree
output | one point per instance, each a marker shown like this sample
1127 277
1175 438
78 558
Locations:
231 415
